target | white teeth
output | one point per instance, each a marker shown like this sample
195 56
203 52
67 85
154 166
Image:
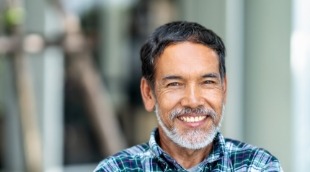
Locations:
192 118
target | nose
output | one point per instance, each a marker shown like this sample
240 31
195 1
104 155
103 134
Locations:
192 97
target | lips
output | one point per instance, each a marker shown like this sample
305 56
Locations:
192 118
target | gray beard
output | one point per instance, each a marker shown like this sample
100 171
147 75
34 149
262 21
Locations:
192 139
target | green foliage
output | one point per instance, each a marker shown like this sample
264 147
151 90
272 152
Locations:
11 18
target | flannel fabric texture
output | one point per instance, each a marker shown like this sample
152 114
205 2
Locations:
226 155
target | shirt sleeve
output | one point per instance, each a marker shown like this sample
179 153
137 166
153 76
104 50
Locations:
273 166
107 165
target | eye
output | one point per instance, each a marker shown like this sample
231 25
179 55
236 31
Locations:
174 84
208 82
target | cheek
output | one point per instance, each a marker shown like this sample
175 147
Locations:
215 99
168 100
215 95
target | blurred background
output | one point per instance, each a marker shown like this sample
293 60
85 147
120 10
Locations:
70 71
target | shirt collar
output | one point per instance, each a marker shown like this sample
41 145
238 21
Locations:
217 152
218 149
153 143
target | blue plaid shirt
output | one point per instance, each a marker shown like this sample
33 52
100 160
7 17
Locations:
226 155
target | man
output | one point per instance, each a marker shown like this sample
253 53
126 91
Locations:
184 81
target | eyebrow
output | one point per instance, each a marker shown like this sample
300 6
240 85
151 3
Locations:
211 75
175 77
171 77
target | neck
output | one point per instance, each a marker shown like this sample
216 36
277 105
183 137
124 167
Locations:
187 158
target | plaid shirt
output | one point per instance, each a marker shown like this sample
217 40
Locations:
226 155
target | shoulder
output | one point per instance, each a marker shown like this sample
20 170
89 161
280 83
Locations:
124 160
243 155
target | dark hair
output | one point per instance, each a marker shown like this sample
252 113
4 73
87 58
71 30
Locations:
175 32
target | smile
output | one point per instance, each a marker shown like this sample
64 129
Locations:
192 118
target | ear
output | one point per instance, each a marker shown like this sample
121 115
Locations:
225 88
147 95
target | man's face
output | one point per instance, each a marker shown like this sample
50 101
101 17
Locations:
189 94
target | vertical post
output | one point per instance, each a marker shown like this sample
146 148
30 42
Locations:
47 70
52 108
300 64
32 143
267 97
13 149
233 120
113 64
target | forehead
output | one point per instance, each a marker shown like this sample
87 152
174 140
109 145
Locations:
187 57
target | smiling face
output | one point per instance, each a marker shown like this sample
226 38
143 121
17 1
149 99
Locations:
188 94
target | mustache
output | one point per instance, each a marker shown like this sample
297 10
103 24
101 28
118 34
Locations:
197 111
